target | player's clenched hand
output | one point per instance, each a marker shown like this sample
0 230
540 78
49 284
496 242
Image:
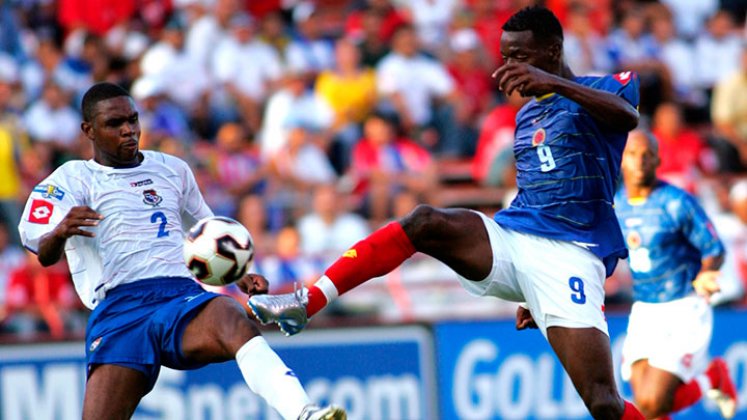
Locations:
524 319
76 218
253 284
524 78
706 283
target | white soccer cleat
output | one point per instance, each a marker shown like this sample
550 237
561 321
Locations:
330 412
287 310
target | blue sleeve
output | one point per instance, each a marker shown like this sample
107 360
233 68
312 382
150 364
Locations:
696 226
624 84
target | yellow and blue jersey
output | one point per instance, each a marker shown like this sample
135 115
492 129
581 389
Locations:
567 166
668 234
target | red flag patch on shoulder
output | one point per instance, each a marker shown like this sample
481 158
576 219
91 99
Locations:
40 212
623 77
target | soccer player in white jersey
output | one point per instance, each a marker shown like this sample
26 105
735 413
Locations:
120 218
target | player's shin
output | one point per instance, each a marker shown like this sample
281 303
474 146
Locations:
270 378
374 256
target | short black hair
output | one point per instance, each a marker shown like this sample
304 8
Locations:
97 93
543 24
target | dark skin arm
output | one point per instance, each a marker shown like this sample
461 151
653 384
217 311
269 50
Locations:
607 108
52 244
524 319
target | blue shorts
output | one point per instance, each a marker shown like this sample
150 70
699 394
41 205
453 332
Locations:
140 325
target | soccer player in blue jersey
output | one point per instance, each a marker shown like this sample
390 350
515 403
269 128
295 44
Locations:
674 258
559 239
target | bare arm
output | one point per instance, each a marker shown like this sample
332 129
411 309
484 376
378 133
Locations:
605 107
52 244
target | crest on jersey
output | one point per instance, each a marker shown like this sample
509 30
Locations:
538 137
94 344
633 240
49 191
152 198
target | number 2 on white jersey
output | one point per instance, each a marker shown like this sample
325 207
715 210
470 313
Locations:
545 156
155 217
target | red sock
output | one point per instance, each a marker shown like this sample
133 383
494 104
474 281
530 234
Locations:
631 413
374 256
686 395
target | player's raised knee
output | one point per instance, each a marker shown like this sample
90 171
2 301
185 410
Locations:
422 220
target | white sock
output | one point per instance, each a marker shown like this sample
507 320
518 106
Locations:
270 378
328 288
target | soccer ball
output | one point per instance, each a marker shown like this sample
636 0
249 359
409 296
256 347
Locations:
218 250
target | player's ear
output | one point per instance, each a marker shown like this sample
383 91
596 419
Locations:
556 51
87 129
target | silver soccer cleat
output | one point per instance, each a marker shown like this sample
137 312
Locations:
287 310
330 412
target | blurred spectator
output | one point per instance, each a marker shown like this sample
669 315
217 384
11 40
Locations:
88 14
690 15
372 46
42 299
246 70
252 213
431 19
410 82
308 52
729 116
350 90
236 164
11 258
473 82
632 49
10 41
296 169
53 121
488 17
678 56
288 266
388 17
682 151
585 49
273 31
184 78
159 117
496 142
13 144
49 63
208 24
329 229
384 164
717 50
293 104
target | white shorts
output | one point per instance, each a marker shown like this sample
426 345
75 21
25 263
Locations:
673 336
562 283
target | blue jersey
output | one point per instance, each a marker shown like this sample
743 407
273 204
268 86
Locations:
567 169
668 235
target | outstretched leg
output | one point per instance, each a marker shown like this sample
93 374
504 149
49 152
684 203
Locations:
586 356
456 237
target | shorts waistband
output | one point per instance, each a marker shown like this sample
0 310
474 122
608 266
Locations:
148 283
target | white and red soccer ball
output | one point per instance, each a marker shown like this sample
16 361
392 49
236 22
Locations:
218 250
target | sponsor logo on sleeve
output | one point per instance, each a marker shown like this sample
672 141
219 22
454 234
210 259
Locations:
623 77
40 212
49 191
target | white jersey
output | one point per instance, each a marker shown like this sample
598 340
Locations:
146 210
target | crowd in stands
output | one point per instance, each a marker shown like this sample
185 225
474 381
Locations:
314 122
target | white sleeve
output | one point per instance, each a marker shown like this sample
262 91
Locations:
46 206
386 77
194 207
